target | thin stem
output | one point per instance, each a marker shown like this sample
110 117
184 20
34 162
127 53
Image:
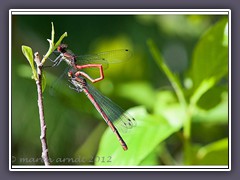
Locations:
187 137
43 126
172 78
203 87
180 95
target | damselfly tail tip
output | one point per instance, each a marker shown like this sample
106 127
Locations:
125 148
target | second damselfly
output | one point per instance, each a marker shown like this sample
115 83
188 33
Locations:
115 117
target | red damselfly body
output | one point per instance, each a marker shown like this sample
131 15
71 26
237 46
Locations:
99 60
111 112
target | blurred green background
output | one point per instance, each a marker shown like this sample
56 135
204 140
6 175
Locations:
170 130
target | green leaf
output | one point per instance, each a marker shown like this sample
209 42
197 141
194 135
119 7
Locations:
52 46
218 114
212 97
44 82
203 87
210 58
27 51
60 40
167 105
215 153
150 160
141 140
53 33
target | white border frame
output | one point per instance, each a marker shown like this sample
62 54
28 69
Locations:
119 12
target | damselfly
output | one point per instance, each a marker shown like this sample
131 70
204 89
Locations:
99 60
111 112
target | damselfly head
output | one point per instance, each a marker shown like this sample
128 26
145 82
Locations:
62 48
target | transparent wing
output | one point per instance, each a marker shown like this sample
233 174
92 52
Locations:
122 120
105 58
56 84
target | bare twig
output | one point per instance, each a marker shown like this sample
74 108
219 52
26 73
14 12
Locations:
43 126
39 77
